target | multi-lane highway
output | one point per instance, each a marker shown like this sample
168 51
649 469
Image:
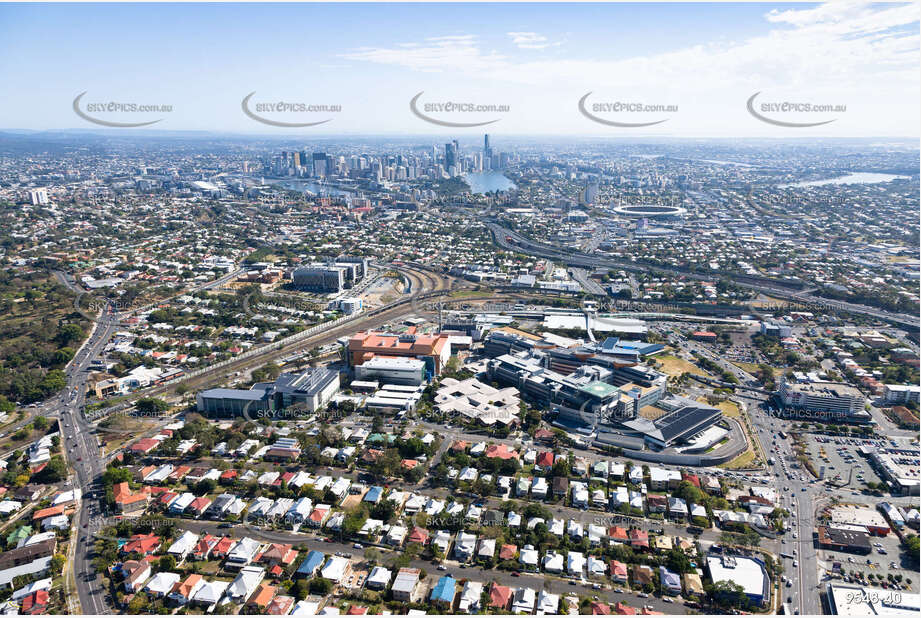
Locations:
798 492
511 240
82 452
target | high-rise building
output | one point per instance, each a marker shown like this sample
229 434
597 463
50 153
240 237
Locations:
451 157
320 164
38 197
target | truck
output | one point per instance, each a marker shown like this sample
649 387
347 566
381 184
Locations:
771 460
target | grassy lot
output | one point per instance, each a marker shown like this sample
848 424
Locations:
742 461
674 366
117 431
751 368
768 301
729 408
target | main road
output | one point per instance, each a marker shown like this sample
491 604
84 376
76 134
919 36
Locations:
82 453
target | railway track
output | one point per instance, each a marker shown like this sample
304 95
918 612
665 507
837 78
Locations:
426 285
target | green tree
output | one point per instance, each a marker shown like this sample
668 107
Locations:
320 586
54 472
151 405
166 563
727 593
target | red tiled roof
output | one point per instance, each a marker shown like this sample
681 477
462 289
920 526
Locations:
200 504
186 587
419 535
141 543
47 512
500 451
600 609
223 546
35 603
123 494
618 533
507 552
144 445
499 596
618 568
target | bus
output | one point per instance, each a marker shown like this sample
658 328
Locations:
782 434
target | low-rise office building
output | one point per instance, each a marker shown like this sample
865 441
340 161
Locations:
312 389
392 370
750 573
831 400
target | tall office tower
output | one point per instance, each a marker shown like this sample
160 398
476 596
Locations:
38 197
320 165
487 152
591 193
451 155
297 159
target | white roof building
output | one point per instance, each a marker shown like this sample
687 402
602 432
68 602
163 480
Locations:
243 586
335 569
162 583
523 601
548 604
528 557
471 597
210 593
575 563
183 545
477 401
553 562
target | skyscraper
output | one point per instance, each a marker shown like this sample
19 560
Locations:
487 153
320 165
451 157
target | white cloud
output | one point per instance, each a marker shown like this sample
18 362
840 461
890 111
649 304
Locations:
434 54
862 55
814 47
531 40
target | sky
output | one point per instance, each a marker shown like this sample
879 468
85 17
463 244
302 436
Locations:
696 64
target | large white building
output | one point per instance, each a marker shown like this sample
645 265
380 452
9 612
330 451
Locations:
746 572
831 398
477 401
901 393
392 370
38 197
852 600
